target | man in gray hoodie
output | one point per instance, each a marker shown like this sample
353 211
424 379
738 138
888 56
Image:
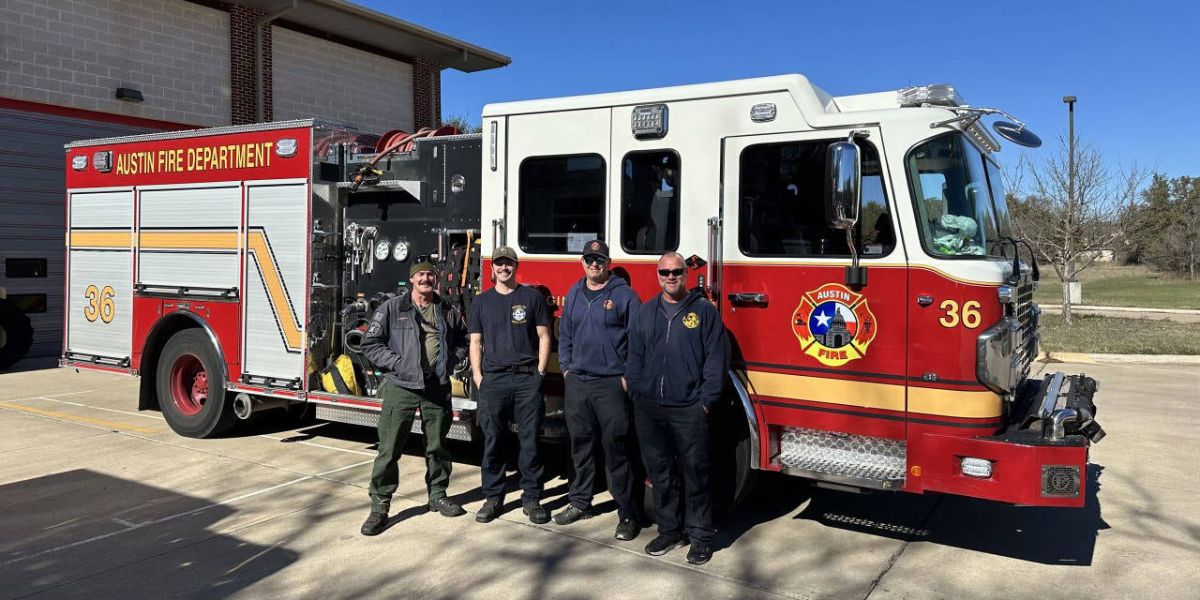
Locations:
415 339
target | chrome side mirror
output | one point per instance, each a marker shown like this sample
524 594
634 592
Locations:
843 179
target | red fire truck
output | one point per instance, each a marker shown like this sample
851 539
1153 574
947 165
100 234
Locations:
858 248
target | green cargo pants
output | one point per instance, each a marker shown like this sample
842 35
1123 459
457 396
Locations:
395 423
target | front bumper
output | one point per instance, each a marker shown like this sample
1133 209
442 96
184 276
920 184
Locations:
1040 459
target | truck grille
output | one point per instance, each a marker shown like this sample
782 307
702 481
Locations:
1027 314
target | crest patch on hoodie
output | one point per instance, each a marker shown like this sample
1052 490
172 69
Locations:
691 320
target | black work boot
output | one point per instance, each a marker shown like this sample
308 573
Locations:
627 529
446 507
664 544
536 512
570 514
489 511
375 524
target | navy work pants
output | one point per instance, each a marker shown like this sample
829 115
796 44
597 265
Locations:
515 397
667 434
597 410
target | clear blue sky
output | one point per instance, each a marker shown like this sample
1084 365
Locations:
1135 66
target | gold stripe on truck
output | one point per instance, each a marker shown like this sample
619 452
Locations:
99 239
883 396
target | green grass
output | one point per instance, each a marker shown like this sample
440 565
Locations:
1116 335
1124 286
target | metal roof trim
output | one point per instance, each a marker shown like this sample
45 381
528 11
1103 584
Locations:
208 131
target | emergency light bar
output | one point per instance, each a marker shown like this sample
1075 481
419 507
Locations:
938 94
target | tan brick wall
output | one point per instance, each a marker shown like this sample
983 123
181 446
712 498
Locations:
318 78
76 53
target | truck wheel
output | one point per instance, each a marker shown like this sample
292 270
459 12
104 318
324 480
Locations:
191 386
16 334
732 475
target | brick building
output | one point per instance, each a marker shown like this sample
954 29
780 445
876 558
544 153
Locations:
79 69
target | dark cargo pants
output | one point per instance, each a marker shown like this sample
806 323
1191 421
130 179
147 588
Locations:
395 423
517 397
597 410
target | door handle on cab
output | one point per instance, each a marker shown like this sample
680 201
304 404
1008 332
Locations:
748 298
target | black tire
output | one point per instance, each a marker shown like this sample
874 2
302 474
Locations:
732 475
193 408
16 334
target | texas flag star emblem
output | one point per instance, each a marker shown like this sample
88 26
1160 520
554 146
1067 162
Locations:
834 325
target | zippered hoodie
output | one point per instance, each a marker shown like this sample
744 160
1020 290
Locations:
678 360
593 335
393 341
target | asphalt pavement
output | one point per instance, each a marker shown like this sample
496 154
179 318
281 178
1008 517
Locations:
100 500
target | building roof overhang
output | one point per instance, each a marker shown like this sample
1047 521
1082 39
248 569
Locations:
350 21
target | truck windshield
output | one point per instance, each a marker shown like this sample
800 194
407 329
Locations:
949 179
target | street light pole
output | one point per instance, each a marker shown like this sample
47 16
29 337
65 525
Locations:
1070 101
1069 271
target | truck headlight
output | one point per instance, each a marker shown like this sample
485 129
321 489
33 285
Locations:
995 357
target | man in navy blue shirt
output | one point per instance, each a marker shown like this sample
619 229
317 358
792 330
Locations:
678 359
509 326
592 348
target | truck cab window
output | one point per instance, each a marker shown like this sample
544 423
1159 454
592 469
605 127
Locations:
950 184
782 210
560 204
650 202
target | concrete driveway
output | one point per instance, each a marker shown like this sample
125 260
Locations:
99 500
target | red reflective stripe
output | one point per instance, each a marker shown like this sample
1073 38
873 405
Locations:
92 115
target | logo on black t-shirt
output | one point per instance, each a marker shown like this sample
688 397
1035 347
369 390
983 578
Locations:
519 314
691 320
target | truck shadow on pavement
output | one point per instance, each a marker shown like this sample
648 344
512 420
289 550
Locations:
83 533
1057 536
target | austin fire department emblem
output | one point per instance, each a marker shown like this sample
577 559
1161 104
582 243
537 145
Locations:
609 304
518 313
834 325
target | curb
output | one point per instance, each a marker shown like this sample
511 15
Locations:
1128 309
1140 359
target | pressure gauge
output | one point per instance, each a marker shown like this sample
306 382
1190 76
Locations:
400 252
383 249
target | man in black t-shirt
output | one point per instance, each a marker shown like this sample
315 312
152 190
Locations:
509 327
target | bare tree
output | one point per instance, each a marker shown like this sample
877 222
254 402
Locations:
1071 219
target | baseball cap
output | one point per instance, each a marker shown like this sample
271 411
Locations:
504 252
421 266
596 247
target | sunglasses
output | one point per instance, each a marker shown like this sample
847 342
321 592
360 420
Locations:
671 272
504 262
595 259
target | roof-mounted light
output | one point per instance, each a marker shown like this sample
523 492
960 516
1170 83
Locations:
938 94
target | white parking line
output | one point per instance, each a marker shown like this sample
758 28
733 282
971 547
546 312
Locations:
159 418
136 526
62 394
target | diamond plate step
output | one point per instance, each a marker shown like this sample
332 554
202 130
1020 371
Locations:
858 460
459 430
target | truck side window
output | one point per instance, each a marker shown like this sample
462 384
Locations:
782 211
650 202
560 204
